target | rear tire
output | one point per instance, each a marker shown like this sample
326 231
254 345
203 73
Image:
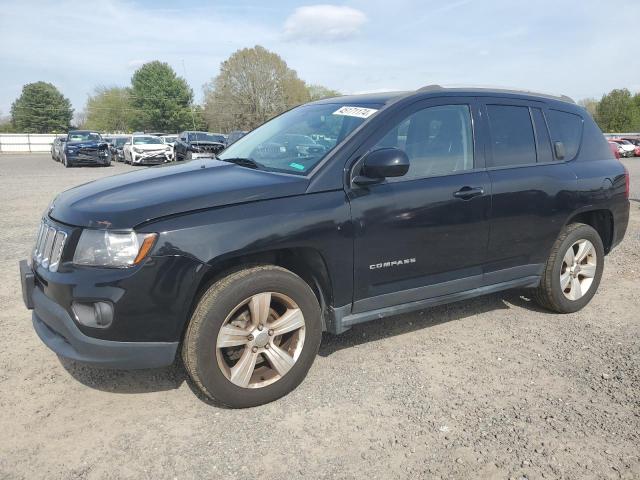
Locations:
237 302
573 271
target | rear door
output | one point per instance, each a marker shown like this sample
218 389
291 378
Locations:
532 190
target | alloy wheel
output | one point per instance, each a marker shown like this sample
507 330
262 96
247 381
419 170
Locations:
260 340
578 269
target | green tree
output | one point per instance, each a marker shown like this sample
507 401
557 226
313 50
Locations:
618 112
109 109
253 86
41 108
160 99
318 92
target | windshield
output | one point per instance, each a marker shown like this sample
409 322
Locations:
146 140
84 137
120 141
297 140
170 139
205 137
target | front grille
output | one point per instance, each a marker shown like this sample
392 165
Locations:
49 245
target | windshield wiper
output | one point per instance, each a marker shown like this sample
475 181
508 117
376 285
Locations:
244 162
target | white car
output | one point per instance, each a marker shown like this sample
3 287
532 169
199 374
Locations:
147 150
628 149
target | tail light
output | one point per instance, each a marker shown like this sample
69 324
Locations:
626 183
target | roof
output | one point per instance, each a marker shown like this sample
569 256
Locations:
386 97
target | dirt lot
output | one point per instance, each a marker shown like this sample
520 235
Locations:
488 388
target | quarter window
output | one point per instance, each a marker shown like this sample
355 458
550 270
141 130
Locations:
566 128
438 141
512 138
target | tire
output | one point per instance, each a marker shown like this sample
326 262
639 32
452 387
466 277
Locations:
550 294
208 364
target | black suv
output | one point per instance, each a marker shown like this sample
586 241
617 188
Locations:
191 145
416 199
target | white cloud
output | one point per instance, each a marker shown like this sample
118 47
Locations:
317 23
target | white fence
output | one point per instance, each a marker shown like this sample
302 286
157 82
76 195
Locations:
26 142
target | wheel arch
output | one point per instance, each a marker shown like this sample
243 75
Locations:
601 220
307 263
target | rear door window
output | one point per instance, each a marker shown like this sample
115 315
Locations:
512 136
543 143
566 128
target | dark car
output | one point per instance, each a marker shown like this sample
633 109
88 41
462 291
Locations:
84 147
235 135
116 146
197 145
57 148
423 198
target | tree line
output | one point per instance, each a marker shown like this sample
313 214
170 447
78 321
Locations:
253 85
617 111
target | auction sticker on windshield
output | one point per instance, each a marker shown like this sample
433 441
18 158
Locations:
360 112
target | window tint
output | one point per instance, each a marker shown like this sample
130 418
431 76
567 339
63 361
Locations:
543 143
437 140
566 128
512 139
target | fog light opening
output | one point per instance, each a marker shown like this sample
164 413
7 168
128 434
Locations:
93 314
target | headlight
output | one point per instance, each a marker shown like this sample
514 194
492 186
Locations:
137 150
104 248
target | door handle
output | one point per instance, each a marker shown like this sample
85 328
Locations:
467 193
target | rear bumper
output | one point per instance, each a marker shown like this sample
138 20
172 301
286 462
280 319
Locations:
59 332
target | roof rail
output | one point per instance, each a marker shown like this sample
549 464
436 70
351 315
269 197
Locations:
435 88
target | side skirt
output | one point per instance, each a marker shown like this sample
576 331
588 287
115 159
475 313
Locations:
342 319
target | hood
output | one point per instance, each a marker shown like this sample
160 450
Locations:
150 146
124 201
87 144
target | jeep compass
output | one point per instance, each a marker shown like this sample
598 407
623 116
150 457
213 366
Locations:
337 212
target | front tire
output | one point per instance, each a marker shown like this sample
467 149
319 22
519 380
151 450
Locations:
573 271
253 336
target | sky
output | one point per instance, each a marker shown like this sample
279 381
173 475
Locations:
581 48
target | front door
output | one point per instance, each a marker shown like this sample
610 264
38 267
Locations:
424 234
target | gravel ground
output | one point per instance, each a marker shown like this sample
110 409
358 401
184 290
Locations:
489 388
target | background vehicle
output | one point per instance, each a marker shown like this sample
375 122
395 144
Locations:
57 148
424 198
635 141
628 149
198 144
146 150
171 141
116 148
85 147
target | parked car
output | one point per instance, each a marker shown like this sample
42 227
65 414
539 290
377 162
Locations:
615 148
85 147
171 141
57 148
628 149
197 145
234 136
635 141
425 198
146 150
117 153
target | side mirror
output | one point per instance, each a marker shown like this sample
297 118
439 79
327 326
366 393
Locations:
382 163
560 151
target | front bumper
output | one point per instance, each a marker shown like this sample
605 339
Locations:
59 331
151 158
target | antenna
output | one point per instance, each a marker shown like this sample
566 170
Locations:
193 117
